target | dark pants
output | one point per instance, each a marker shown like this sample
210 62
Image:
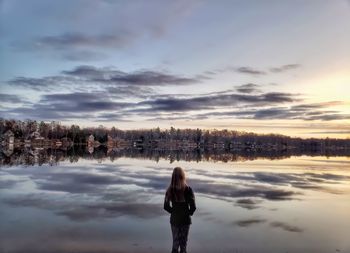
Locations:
180 235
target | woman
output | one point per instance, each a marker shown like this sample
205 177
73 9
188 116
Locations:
183 205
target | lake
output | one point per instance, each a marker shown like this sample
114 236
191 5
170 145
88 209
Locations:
296 204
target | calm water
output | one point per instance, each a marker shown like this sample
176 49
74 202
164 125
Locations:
300 204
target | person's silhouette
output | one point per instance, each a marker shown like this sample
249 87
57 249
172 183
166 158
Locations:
180 202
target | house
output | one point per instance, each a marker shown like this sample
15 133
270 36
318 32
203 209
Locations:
36 136
110 141
9 137
91 140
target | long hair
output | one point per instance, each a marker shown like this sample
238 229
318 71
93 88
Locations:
176 189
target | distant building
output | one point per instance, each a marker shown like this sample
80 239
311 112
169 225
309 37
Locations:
9 137
36 135
91 140
110 141
8 152
91 149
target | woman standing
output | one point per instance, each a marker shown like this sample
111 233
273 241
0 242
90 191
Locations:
180 202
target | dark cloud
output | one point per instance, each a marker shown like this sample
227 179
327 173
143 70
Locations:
8 184
210 72
328 176
109 188
307 112
92 212
91 183
80 102
258 191
284 68
303 180
286 227
250 71
83 55
81 211
85 77
93 41
247 88
69 106
328 117
249 222
91 72
76 46
110 88
216 101
111 105
45 83
297 180
68 40
141 77
10 98
254 71
121 92
306 107
248 203
275 113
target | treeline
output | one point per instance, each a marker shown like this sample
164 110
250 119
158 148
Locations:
102 153
226 139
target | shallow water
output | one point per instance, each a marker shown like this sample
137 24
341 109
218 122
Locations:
300 204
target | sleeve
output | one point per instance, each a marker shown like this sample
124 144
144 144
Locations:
167 206
191 201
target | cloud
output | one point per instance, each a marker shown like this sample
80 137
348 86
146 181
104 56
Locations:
92 212
83 55
45 83
87 182
109 191
109 28
328 176
303 180
84 211
68 106
10 98
330 132
110 88
284 68
286 227
247 88
247 203
258 191
8 184
72 46
250 71
216 101
122 92
254 71
110 103
73 39
140 77
307 112
249 222
85 77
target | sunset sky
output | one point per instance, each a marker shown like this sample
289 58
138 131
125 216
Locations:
262 66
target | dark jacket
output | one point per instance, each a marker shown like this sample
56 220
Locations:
181 212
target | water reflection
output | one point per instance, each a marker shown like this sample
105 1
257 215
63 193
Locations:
28 156
251 206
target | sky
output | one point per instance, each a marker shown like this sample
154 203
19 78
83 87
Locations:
261 66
